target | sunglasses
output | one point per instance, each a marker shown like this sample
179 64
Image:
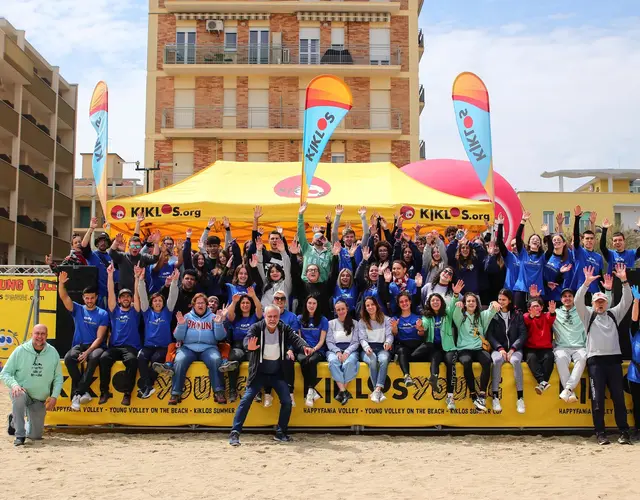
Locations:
279 299
135 246
448 271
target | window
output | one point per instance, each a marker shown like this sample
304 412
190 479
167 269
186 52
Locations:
337 38
567 218
380 112
617 219
85 216
259 46
184 109
230 39
186 45
379 46
548 218
337 157
229 156
258 108
309 45
384 157
229 102
584 222
258 157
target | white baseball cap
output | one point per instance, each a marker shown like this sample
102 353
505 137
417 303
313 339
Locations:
599 296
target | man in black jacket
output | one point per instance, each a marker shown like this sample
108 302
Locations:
507 334
267 342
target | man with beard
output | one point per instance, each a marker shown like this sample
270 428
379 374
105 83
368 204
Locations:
127 261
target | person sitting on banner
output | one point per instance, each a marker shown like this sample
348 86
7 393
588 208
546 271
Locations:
157 328
441 284
507 335
406 251
317 253
277 275
126 261
409 333
633 372
570 345
313 329
345 288
604 358
538 349
434 257
467 260
199 331
343 345
585 255
157 274
124 341
34 378
244 311
511 259
367 279
619 254
351 248
267 343
439 336
472 345
89 340
376 340
99 258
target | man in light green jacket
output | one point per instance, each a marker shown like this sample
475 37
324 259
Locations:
34 378
318 252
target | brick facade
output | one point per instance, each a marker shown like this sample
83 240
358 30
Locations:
242 102
166 35
284 150
356 38
400 101
284 100
359 116
209 101
241 151
164 99
288 25
357 151
205 152
400 39
400 153
163 153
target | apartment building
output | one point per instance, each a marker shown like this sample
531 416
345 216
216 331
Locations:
86 202
227 79
37 149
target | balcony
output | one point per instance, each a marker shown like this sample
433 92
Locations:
9 118
36 138
420 44
278 7
17 58
7 176
423 150
43 92
66 113
279 123
61 248
32 239
215 59
6 230
62 204
64 158
421 97
34 190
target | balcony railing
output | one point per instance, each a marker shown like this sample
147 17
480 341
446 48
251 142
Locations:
421 39
421 94
307 52
273 118
423 150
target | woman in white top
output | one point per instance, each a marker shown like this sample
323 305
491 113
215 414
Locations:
376 340
343 344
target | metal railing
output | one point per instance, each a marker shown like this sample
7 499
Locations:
423 150
421 39
421 94
273 118
307 52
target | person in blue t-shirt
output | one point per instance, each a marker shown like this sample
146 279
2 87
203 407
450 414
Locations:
99 258
558 264
157 328
244 311
345 290
511 260
124 342
633 373
158 273
532 263
89 335
408 330
584 255
313 329
619 254
351 249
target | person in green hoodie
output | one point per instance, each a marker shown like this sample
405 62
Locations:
318 252
34 378
472 327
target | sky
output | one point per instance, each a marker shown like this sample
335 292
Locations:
560 76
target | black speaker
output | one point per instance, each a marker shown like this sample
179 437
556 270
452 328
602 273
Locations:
80 277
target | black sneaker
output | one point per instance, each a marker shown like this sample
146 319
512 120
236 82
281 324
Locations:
602 439
10 428
229 366
18 442
339 397
282 437
258 398
433 382
104 397
233 396
347 396
624 438
126 399
219 398
234 438
174 400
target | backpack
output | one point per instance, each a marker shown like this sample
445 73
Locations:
593 318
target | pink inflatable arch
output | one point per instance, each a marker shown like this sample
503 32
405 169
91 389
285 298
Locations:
458 178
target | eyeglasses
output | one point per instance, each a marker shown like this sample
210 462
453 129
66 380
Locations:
312 271
279 299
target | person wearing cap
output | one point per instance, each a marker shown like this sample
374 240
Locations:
349 239
604 358
99 258
570 345
318 252
124 342
126 261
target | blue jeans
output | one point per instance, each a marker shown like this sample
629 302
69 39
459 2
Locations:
282 389
343 372
378 363
185 356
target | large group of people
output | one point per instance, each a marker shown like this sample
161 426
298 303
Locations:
395 294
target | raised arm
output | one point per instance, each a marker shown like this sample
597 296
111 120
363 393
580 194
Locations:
86 240
520 231
500 237
603 240
139 275
111 289
336 223
141 290
63 277
174 291
577 212
365 227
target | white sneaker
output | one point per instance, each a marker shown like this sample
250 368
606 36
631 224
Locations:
573 398
293 401
316 395
75 402
520 405
544 385
451 404
375 396
479 404
309 399
381 397
565 394
85 398
267 400
497 408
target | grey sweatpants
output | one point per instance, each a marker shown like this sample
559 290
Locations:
31 409
496 370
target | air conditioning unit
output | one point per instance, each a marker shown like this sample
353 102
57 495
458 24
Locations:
215 25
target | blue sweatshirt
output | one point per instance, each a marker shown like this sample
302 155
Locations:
199 333
407 327
531 269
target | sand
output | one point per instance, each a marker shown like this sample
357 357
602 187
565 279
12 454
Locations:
182 465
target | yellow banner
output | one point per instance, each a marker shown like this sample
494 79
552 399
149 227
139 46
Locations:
404 407
16 292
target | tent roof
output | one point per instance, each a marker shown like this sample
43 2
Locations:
234 188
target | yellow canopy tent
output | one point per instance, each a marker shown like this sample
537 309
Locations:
235 188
